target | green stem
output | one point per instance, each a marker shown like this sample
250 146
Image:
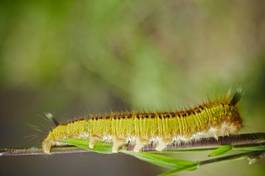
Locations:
252 154
239 142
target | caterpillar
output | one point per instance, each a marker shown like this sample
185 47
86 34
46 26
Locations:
209 119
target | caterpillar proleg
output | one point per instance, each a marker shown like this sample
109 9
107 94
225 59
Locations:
210 119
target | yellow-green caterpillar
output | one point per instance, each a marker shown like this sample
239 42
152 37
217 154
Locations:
210 119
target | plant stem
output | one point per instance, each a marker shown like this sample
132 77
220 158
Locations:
237 141
252 154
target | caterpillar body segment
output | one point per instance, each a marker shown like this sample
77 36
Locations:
210 119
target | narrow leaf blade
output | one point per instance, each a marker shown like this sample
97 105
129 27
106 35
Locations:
80 143
99 147
220 150
161 160
174 171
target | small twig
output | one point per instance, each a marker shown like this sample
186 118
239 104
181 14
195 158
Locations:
252 154
237 141
38 151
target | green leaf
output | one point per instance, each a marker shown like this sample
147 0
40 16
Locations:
172 172
161 160
250 148
220 150
80 143
99 147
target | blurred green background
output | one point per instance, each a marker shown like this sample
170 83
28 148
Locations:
72 58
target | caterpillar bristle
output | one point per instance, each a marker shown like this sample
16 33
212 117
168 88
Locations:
236 97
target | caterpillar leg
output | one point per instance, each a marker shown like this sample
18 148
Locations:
139 144
92 141
117 144
212 132
46 146
227 129
162 143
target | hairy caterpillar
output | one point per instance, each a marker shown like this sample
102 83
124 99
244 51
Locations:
211 119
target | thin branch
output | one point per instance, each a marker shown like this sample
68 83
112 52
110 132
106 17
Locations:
237 141
38 151
252 154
